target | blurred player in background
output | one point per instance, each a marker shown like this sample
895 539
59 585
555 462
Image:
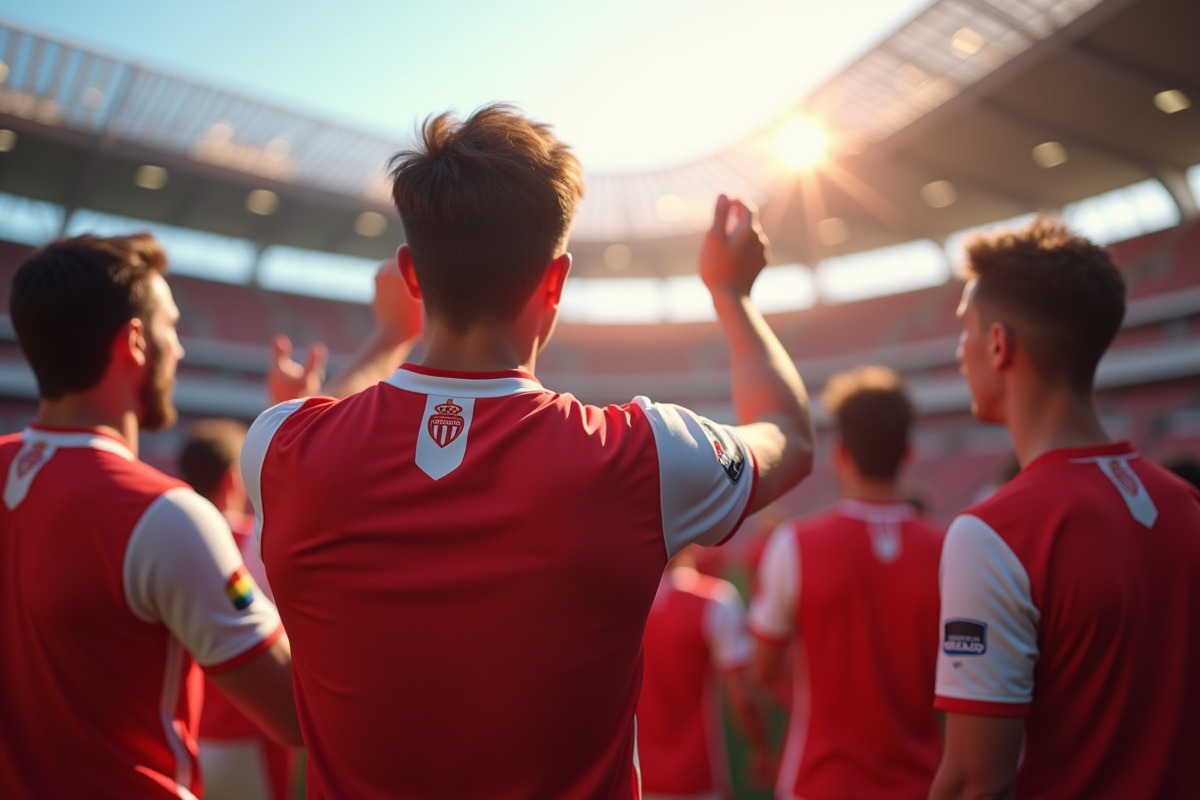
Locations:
856 590
696 648
465 560
1070 650
238 761
115 580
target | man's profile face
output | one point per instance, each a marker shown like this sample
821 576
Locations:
163 352
974 360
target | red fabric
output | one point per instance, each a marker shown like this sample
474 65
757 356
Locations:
1116 700
537 558
868 632
80 709
678 713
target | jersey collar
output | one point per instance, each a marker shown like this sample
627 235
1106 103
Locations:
94 438
423 380
872 511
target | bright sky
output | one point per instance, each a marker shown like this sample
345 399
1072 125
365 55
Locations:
631 84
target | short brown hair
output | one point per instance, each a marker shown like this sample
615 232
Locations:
71 297
1063 293
211 449
872 414
486 204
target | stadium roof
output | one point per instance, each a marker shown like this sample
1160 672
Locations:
974 111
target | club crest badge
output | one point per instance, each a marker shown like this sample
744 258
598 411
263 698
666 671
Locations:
30 458
446 425
1122 477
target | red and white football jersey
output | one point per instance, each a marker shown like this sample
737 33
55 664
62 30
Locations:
857 589
234 750
115 580
696 630
465 562
1071 597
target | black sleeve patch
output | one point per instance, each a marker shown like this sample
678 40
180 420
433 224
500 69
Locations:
965 637
729 453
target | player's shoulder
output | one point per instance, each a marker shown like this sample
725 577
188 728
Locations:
817 525
134 476
705 587
1027 498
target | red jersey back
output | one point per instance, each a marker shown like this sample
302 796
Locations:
465 564
864 608
99 620
697 628
1071 596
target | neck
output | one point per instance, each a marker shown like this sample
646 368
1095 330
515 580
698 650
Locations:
83 410
484 347
1046 418
857 487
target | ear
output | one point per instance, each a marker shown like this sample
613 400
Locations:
1002 345
556 278
841 453
130 343
405 263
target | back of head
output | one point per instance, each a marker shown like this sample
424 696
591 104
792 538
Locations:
212 448
1062 293
71 297
486 204
872 414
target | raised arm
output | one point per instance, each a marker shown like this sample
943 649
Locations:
397 326
768 394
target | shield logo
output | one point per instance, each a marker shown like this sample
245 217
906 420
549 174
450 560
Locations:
30 458
1126 481
445 426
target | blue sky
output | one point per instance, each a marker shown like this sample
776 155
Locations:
630 84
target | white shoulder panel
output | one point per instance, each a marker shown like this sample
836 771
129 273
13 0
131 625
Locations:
706 474
989 625
725 629
254 453
776 599
182 569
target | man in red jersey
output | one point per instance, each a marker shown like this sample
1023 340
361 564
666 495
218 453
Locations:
856 588
465 559
1069 645
115 580
696 642
238 761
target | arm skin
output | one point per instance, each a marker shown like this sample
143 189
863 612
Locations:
262 690
748 715
397 326
980 758
768 393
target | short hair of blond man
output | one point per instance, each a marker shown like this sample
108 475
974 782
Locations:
873 415
71 297
1061 292
486 204
211 449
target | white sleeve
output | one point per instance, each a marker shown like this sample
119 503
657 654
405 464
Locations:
777 595
989 624
182 569
725 628
702 466
254 452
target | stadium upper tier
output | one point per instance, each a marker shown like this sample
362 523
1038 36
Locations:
226 330
973 111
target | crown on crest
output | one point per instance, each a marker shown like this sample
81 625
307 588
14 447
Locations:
448 407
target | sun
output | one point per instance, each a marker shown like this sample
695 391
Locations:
801 143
